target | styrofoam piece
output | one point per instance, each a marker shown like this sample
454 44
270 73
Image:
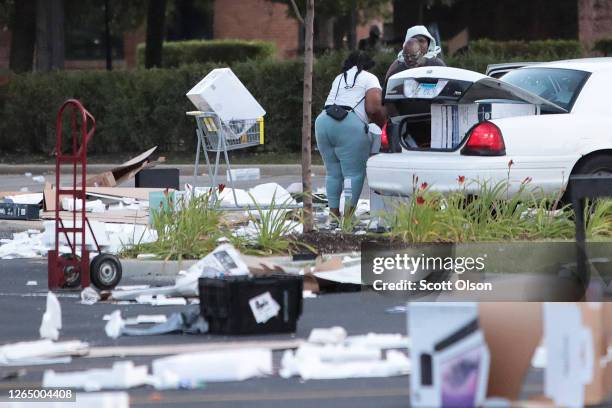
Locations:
34 198
23 352
142 319
32 283
380 340
24 189
52 318
332 335
160 300
28 174
338 353
23 245
309 366
114 325
69 204
264 194
39 179
99 229
213 366
244 174
295 188
222 92
122 375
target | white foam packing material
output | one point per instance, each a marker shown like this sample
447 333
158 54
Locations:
310 366
251 230
51 319
213 366
23 352
380 340
96 206
34 198
332 335
122 375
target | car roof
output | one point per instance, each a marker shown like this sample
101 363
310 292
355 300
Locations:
581 64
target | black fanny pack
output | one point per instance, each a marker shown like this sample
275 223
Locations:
337 112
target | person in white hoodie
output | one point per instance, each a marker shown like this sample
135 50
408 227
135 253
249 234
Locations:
411 57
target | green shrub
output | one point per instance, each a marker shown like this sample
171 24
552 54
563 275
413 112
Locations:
541 50
603 46
142 108
177 53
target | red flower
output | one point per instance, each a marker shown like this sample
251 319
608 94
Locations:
510 163
461 179
221 187
424 186
420 200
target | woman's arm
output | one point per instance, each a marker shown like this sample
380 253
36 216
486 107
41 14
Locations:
374 107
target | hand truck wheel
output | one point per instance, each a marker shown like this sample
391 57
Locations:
72 274
105 271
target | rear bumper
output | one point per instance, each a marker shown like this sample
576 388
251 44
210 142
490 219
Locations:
401 173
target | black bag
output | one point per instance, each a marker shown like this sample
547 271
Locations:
336 112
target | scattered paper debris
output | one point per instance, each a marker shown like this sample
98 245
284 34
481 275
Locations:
52 319
188 322
142 319
28 174
39 179
122 375
380 341
24 189
190 370
89 296
31 283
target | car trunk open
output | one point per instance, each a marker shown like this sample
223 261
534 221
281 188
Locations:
434 108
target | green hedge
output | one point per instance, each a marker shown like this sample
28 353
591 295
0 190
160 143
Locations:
176 53
528 50
603 46
137 109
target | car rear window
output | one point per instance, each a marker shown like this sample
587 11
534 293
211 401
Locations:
560 86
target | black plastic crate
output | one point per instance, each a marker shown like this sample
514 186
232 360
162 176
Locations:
230 304
12 211
158 178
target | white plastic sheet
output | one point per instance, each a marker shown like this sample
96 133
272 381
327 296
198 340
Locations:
51 319
122 375
194 368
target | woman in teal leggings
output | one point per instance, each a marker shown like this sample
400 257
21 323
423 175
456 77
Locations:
345 144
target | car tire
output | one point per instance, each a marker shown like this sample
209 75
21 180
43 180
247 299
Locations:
105 271
600 164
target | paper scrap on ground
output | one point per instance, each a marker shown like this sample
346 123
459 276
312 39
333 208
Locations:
160 300
89 296
142 319
51 319
351 274
39 179
122 375
264 307
40 352
190 370
31 283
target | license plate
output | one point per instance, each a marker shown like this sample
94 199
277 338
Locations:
426 90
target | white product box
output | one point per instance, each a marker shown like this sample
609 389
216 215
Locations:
222 92
450 358
450 123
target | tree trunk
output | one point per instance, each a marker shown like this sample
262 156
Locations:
307 117
50 35
107 37
156 17
352 30
23 36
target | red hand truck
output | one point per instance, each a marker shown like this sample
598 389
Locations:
72 270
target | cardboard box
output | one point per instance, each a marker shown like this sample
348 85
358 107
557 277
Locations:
577 336
449 354
451 122
222 92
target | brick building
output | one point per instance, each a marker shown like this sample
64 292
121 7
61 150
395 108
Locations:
594 20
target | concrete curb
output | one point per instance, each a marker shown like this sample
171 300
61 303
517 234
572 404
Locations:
184 169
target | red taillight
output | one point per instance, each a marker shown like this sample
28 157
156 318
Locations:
384 139
485 139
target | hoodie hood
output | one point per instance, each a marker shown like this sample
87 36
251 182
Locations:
433 49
